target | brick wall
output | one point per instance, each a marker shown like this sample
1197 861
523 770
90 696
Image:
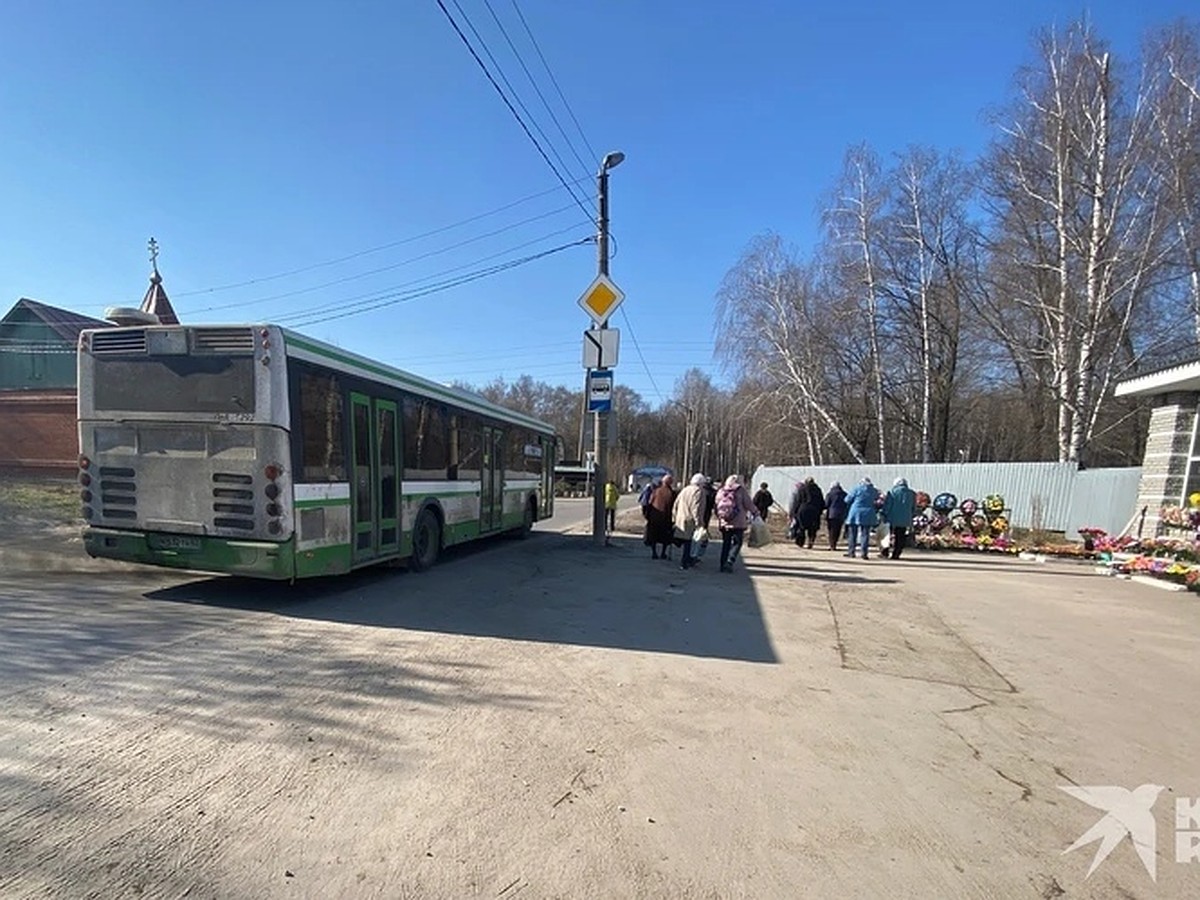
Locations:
1168 444
38 431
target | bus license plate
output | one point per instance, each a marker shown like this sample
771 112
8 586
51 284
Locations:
175 542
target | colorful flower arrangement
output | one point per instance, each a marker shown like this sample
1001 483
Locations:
943 523
1178 517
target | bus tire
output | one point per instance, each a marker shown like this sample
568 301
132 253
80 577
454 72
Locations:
426 540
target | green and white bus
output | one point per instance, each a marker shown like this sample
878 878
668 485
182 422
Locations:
257 451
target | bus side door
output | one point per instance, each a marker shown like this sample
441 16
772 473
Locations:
491 488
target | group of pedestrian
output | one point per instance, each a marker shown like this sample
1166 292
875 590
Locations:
682 519
860 511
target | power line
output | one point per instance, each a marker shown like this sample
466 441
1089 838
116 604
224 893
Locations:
405 297
388 246
637 348
511 108
404 262
545 65
511 90
533 82
371 296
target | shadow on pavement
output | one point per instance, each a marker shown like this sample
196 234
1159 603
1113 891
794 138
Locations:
551 588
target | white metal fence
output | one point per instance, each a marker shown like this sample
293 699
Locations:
1049 495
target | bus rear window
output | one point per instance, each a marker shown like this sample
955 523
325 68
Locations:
175 384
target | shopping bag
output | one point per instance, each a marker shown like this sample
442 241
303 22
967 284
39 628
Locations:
760 536
699 541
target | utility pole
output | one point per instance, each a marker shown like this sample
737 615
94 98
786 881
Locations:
600 423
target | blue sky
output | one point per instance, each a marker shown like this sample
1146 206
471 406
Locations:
254 139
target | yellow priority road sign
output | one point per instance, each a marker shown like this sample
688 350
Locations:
601 299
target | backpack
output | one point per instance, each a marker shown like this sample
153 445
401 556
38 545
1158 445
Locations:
727 504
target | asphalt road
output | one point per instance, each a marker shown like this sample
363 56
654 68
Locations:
546 718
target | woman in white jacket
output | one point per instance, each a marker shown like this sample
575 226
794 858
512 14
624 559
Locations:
686 515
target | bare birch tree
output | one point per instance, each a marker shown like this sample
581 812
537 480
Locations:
767 302
1078 227
854 222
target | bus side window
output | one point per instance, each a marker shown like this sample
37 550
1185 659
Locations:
470 447
426 450
323 456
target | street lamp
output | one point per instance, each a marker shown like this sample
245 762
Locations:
600 438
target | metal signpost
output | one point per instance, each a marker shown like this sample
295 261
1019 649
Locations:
600 301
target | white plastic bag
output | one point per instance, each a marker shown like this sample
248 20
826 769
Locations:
699 541
760 535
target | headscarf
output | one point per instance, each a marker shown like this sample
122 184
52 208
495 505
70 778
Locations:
733 481
668 480
809 480
699 478
900 482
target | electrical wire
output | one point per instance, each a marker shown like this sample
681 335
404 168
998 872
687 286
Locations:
512 91
404 262
405 297
508 103
545 65
388 246
524 68
371 296
637 349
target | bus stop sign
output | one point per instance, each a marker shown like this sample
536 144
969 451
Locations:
600 387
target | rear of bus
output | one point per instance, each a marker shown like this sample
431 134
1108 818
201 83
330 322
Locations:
184 448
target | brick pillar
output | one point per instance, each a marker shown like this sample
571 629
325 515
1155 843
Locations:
1168 445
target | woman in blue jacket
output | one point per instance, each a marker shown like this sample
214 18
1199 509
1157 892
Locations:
861 516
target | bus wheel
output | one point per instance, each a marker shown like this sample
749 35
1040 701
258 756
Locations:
427 540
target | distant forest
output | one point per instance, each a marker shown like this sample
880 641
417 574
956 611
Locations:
960 309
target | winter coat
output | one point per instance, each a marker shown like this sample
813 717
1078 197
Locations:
688 512
899 506
860 504
763 501
807 503
658 516
741 516
835 504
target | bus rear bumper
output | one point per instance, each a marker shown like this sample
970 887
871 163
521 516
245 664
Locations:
255 559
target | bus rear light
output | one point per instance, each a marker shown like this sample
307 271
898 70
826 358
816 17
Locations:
85 495
87 512
84 462
271 471
85 479
274 510
272 491
273 526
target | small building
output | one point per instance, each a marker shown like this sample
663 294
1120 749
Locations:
38 372
1171 464
37 386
